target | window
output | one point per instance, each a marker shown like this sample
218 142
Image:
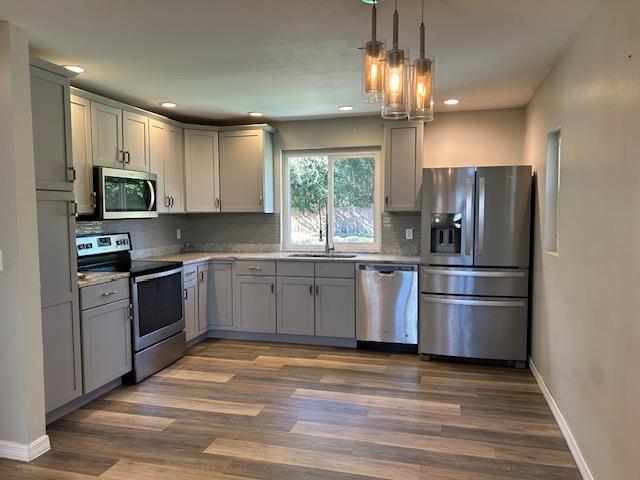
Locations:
552 192
341 188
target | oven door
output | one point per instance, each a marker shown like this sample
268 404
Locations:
157 307
126 194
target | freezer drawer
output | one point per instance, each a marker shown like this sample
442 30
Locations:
473 327
475 281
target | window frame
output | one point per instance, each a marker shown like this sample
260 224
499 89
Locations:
331 155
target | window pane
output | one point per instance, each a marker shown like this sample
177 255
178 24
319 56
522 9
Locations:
308 178
353 190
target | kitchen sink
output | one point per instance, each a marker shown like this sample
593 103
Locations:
321 255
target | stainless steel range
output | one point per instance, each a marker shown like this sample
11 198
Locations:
156 293
475 260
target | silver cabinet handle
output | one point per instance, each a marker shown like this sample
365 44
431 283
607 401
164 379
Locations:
310 289
108 294
201 277
481 204
186 294
317 290
94 197
474 273
260 200
474 303
123 154
272 288
386 200
469 217
255 268
173 203
73 176
167 202
217 202
128 156
73 210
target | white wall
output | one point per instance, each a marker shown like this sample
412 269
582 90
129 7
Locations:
21 373
485 137
586 305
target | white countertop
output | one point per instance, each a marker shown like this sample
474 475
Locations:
96 278
197 257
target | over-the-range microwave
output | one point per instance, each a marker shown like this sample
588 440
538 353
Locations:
124 193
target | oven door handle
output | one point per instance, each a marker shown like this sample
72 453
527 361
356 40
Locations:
153 276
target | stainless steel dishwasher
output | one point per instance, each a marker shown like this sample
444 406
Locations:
387 303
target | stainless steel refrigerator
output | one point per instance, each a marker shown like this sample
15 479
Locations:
475 262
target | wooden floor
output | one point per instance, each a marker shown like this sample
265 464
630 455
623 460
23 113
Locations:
234 410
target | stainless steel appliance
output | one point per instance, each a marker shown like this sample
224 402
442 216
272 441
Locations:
156 293
475 260
125 193
387 303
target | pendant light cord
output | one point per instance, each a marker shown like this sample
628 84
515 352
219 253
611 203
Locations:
422 33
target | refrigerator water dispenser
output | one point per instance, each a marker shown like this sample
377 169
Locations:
446 233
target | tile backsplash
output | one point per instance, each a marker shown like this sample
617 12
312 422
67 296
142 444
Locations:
234 232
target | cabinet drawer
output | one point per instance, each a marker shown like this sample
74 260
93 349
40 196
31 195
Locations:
96 295
258 267
295 269
335 270
475 281
190 272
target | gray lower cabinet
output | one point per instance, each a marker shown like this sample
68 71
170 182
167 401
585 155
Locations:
106 343
296 300
255 303
219 297
190 308
335 307
59 298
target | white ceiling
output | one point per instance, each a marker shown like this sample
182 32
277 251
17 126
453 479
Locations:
218 59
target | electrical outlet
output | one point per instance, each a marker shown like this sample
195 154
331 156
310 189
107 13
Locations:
179 234
408 233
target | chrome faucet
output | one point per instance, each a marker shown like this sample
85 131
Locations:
327 249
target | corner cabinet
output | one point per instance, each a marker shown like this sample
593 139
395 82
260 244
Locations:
202 170
403 147
246 171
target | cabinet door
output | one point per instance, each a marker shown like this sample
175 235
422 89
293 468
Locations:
242 171
135 137
403 166
295 310
220 297
202 171
191 310
157 159
59 297
51 131
174 169
106 344
82 161
106 133
335 307
255 303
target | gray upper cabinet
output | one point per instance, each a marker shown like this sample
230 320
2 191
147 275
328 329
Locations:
165 154
335 307
106 131
403 166
135 138
202 171
51 130
82 153
157 156
246 171
59 297
255 303
106 343
296 311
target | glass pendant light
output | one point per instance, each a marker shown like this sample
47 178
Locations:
421 85
395 78
372 69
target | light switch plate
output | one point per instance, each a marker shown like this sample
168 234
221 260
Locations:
179 233
408 233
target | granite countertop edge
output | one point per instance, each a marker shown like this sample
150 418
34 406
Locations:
198 257
97 278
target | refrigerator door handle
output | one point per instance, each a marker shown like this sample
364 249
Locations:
474 273
481 204
474 303
469 217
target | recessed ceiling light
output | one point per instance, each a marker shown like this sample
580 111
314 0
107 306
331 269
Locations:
74 68
345 108
256 114
371 2
452 101
168 105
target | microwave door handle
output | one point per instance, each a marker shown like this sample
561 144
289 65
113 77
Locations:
152 195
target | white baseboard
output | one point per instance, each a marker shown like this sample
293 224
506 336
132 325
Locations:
22 452
562 423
